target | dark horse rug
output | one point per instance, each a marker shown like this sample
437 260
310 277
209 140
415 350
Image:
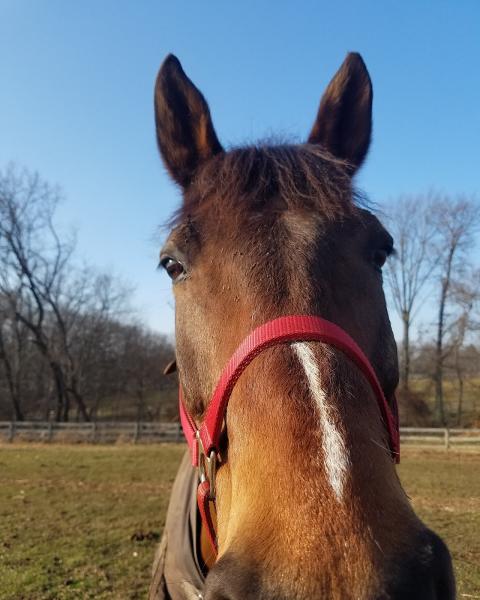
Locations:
177 570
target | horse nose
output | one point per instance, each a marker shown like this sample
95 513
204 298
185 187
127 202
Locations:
232 578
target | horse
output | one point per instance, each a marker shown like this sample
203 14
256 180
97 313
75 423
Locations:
276 262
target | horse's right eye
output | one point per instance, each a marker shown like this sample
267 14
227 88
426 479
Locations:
173 267
380 258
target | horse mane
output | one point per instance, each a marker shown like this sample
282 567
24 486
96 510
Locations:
272 176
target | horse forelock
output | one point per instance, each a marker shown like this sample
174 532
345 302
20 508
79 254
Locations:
270 177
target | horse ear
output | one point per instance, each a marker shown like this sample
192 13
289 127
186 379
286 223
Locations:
171 367
344 120
185 134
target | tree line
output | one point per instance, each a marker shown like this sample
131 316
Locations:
434 283
69 347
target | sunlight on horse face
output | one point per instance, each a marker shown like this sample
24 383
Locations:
308 501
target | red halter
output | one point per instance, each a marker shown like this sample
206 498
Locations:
204 441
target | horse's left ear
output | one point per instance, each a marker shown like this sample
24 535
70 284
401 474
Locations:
344 120
185 134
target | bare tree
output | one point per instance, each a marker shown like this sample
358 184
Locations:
456 220
12 346
43 289
145 352
92 308
465 298
67 340
33 260
410 269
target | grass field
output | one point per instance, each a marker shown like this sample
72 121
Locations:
83 521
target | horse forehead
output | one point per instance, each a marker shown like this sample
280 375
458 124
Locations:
302 227
275 224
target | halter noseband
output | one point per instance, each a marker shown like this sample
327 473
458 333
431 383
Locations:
203 441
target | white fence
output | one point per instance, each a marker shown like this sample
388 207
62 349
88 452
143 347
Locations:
446 438
94 432
112 432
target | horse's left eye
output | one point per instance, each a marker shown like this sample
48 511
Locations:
380 257
172 267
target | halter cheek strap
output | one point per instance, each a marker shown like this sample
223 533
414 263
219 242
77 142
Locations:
204 441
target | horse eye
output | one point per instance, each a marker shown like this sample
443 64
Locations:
172 267
380 257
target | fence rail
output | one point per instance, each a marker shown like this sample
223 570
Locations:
94 432
424 436
112 432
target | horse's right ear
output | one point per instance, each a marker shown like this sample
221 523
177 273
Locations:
185 134
170 368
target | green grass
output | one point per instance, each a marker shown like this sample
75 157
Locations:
445 491
83 521
68 515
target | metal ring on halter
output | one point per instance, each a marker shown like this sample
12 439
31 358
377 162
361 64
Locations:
207 466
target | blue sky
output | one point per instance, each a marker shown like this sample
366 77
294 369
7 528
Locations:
77 86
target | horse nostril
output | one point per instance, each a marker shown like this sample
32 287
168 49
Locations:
231 579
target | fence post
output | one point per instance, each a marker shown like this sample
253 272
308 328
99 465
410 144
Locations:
94 431
136 432
11 431
50 431
179 429
446 432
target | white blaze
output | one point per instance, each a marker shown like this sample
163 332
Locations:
336 455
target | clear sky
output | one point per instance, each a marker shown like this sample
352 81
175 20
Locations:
76 89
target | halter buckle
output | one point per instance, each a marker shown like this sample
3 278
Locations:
207 466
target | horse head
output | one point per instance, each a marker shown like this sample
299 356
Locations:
308 501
